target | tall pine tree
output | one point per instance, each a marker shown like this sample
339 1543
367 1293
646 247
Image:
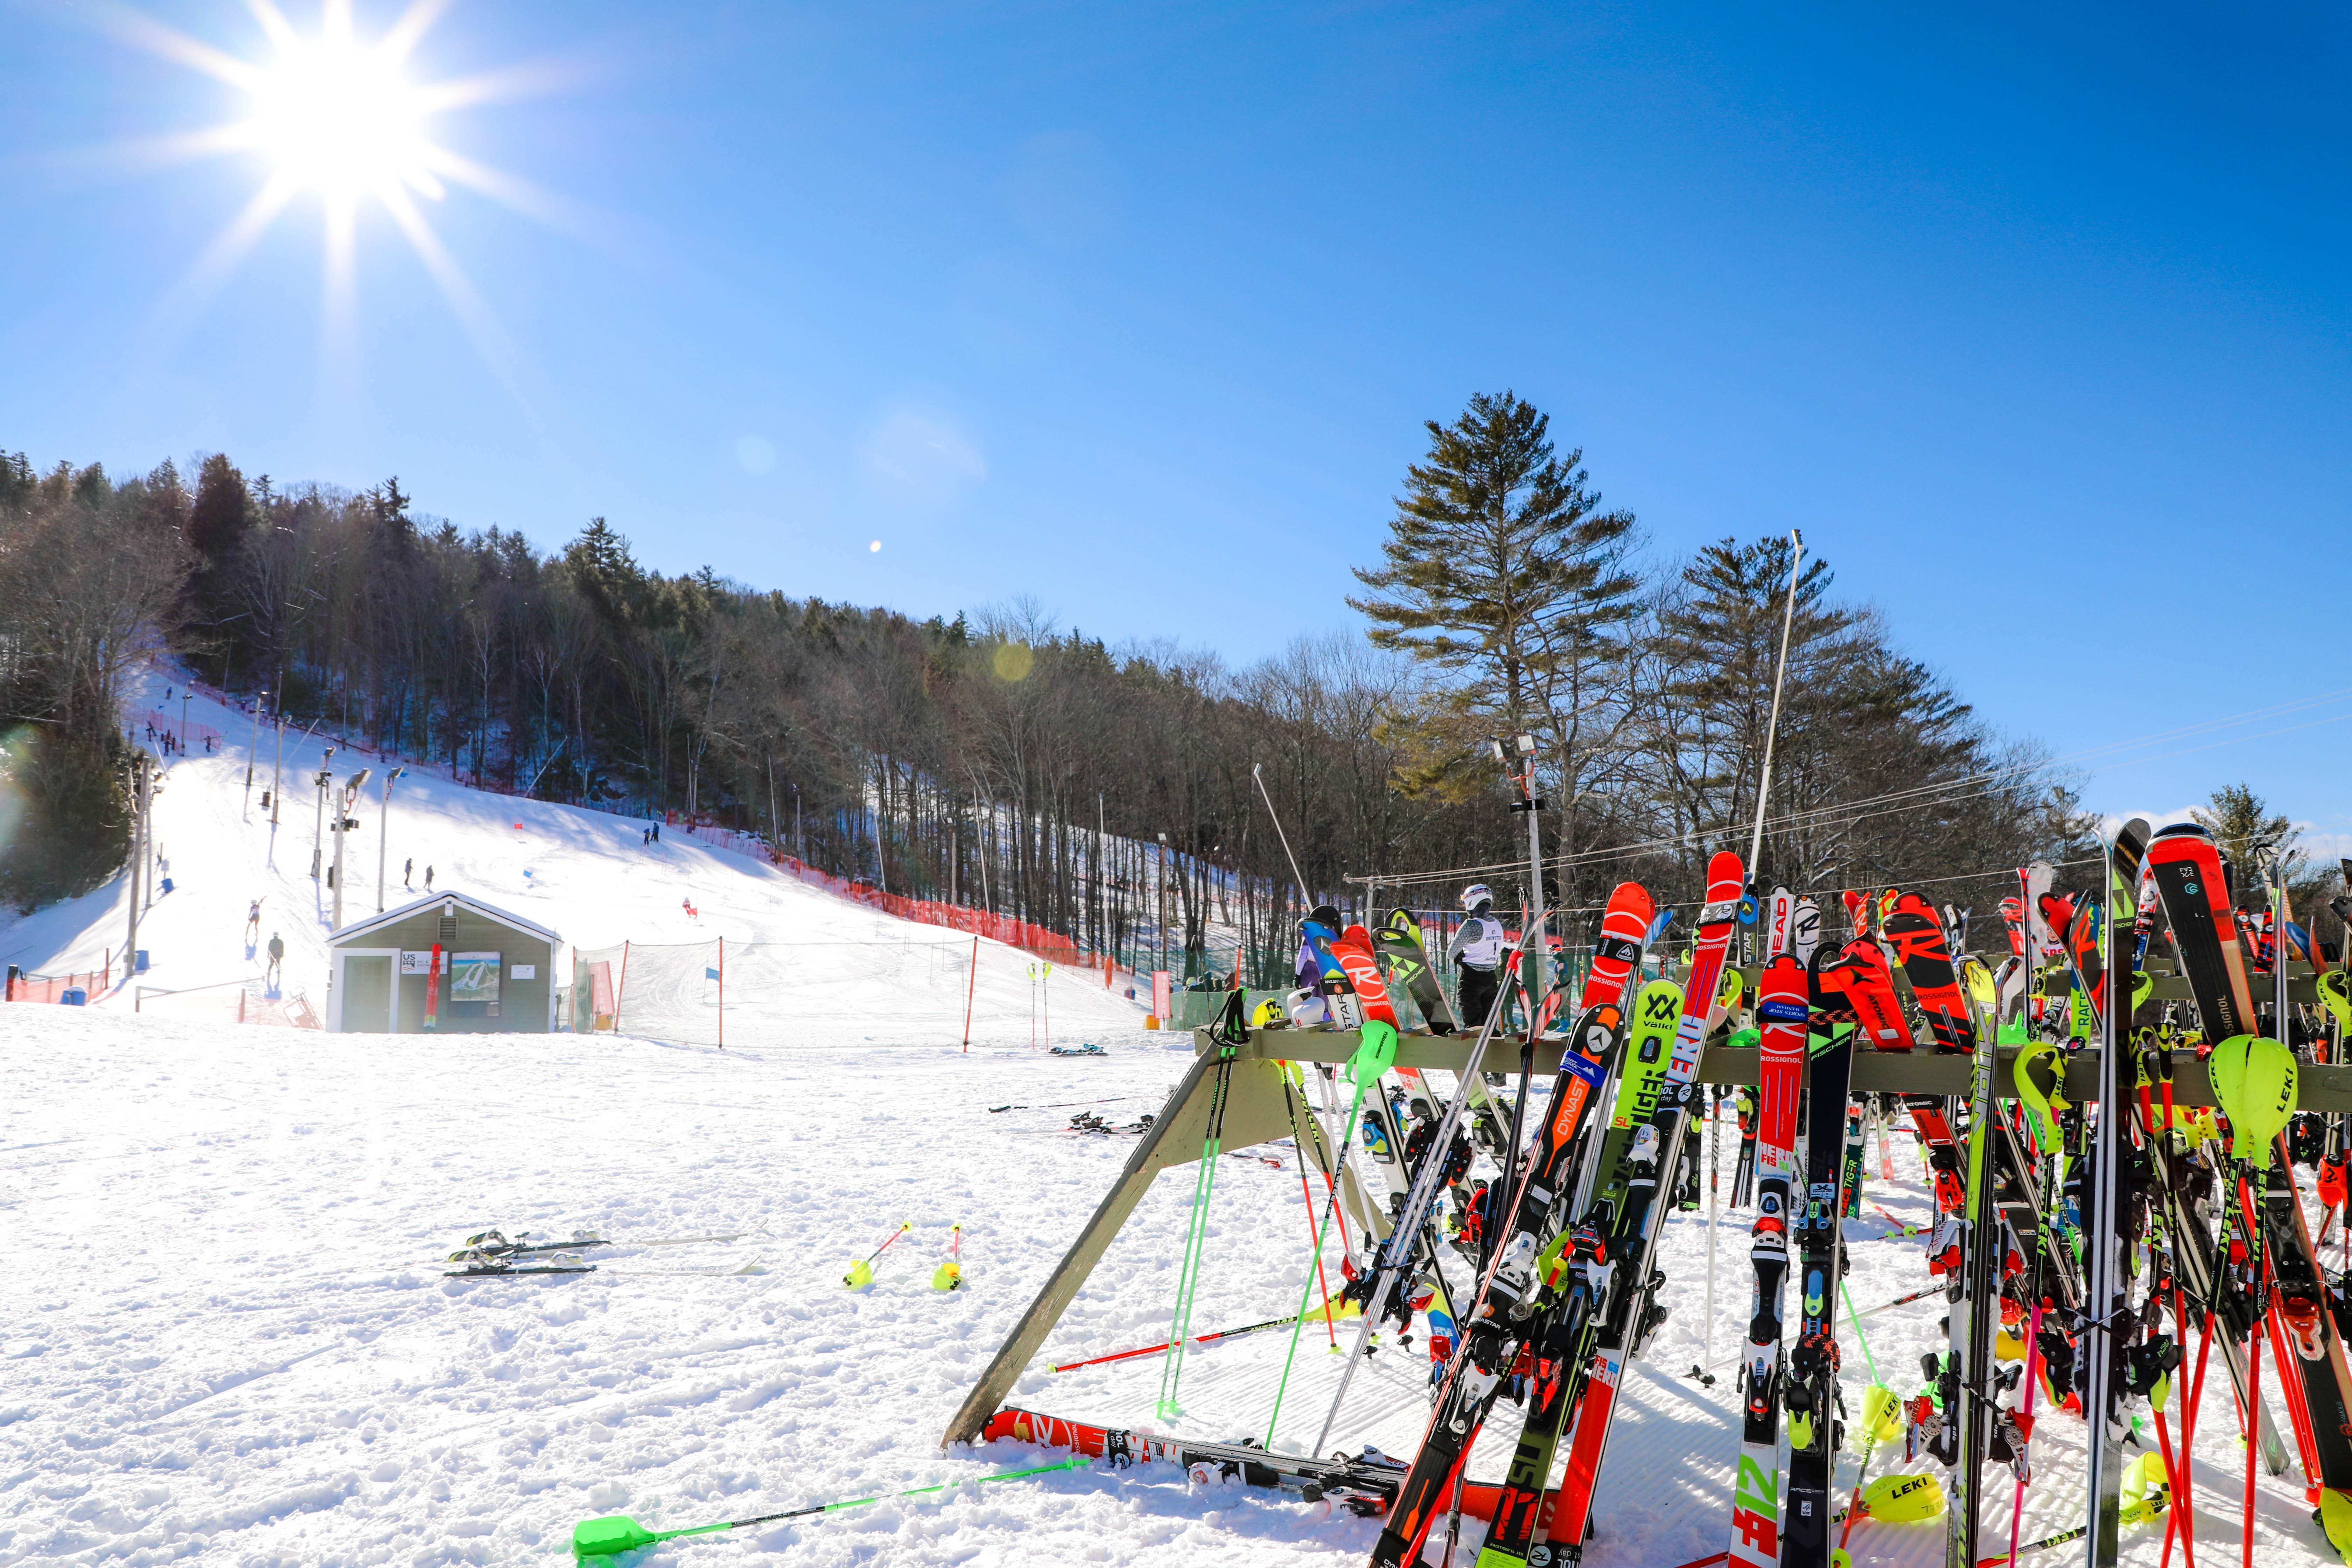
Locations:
1504 577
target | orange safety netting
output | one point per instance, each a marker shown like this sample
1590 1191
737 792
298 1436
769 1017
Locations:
1051 945
50 987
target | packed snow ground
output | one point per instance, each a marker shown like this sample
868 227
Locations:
843 972
224 1333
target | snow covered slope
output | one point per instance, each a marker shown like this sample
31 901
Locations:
854 974
224 1335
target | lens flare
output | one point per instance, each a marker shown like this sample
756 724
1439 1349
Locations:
340 118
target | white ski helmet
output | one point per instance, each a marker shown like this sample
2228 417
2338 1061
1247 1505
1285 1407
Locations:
1474 895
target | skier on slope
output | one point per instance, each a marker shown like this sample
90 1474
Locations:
277 958
1476 949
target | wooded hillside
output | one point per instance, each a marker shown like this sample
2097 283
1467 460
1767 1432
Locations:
996 758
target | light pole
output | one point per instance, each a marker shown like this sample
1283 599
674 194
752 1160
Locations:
260 698
319 818
1531 802
344 822
384 834
1159 885
277 769
184 695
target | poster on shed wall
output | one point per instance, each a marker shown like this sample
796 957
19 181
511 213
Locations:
474 976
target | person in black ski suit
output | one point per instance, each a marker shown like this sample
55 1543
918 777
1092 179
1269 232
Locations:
1476 951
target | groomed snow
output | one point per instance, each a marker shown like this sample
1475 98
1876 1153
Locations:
225 1334
852 973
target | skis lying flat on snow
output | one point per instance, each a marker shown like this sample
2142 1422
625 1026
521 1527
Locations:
492 1244
1364 1485
492 1269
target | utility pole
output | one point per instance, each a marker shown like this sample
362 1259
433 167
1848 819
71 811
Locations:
253 748
277 769
1159 887
319 819
384 834
138 854
1531 802
184 695
346 798
775 826
980 853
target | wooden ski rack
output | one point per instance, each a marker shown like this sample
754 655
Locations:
1924 1071
1258 1111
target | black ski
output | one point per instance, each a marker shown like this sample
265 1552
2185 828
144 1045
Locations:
1814 1428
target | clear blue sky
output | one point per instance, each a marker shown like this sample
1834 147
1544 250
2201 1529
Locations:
2036 326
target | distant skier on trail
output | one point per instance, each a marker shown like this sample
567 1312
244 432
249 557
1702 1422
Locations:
408 871
1475 950
428 879
252 926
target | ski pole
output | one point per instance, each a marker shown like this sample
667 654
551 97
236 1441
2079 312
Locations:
1290 1105
2133 1513
861 1273
2253 1359
2188 1422
1899 1301
1197 1338
1375 1053
610 1536
949 1275
1856 1319
2033 1343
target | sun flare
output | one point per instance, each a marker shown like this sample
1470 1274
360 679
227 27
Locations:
340 118
337 112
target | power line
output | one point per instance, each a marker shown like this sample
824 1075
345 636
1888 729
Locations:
1695 837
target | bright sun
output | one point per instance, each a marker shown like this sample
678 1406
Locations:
337 118
333 111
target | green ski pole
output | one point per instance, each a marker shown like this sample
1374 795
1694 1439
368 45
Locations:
610 1536
1375 1056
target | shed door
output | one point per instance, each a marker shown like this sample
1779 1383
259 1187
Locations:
367 994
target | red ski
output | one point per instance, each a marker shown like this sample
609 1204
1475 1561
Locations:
1624 932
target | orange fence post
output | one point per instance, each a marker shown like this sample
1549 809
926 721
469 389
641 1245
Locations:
970 986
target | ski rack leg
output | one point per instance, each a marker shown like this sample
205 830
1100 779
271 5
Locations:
1255 1113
